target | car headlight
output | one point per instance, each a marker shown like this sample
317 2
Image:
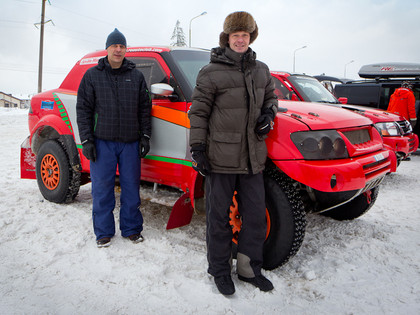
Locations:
320 145
387 129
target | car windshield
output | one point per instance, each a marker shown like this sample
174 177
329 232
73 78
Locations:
312 90
190 63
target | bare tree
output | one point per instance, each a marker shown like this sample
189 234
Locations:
178 36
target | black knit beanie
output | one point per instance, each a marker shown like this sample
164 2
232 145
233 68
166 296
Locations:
116 37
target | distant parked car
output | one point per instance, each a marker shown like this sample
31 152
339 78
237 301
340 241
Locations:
330 82
381 80
395 130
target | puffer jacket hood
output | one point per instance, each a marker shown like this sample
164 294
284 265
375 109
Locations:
228 56
402 92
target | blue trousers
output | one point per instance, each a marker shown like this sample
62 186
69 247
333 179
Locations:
109 155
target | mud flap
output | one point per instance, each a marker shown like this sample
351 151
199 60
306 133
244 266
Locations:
27 161
181 213
393 159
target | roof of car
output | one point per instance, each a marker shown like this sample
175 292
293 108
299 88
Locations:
390 70
330 78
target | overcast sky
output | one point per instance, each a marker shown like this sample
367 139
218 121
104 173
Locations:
334 31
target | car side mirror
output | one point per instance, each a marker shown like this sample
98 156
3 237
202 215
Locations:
343 100
161 89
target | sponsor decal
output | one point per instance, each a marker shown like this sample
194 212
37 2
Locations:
47 105
387 69
63 113
149 49
90 61
400 68
379 157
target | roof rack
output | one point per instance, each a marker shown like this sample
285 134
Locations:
390 70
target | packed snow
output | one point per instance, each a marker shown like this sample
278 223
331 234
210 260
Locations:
49 262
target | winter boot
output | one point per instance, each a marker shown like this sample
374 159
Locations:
260 282
136 238
225 285
103 242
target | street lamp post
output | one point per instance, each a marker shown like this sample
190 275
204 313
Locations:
294 56
345 67
189 38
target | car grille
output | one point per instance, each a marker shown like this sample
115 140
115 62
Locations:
405 126
358 136
362 142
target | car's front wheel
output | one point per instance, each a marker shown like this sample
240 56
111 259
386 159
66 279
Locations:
57 180
286 220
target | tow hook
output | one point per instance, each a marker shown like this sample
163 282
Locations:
368 195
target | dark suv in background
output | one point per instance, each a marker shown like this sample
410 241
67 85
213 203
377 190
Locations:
381 80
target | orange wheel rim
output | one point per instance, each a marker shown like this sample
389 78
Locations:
235 220
50 172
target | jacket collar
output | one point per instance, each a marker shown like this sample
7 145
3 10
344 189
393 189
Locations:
228 56
103 64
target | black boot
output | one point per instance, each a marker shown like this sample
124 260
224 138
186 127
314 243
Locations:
225 285
260 282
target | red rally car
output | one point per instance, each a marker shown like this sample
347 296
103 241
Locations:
320 159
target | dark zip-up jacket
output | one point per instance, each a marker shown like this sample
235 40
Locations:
113 104
230 94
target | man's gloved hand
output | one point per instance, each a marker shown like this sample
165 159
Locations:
265 122
144 145
89 150
199 159
413 122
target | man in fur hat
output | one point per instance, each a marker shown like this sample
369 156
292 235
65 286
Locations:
232 111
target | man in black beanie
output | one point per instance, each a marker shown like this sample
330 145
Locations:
233 109
113 116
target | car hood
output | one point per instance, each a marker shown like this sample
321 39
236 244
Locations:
376 115
321 116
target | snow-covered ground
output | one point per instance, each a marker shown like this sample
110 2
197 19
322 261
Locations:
49 262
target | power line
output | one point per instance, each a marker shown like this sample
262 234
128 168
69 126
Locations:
32 71
26 1
85 16
17 22
31 68
96 41
101 21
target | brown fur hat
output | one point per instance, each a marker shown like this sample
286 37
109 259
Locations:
240 21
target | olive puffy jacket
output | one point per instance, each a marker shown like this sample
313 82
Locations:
402 102
229 96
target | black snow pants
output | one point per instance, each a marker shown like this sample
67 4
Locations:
251 204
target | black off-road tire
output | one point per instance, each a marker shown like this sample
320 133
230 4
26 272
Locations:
286 220
57 180
355 208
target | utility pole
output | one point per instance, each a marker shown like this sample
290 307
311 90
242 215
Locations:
41 43
41 47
